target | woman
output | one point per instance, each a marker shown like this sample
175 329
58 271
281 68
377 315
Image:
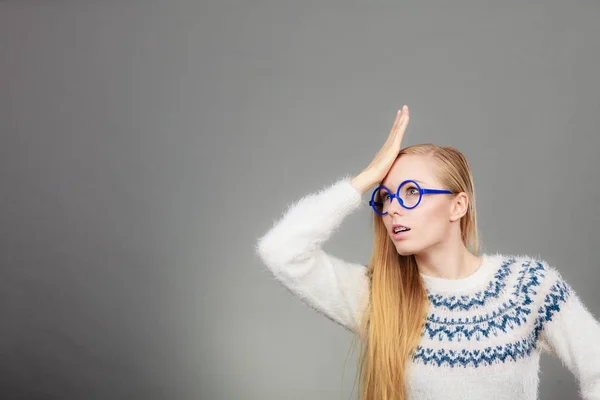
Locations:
435 319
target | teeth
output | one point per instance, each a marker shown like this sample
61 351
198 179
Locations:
400 229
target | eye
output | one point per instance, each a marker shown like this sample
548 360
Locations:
410 190
385 196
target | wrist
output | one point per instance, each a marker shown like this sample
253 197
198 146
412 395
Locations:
362 182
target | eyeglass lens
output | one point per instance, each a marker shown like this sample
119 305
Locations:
409 193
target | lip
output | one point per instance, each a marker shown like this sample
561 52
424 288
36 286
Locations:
400 235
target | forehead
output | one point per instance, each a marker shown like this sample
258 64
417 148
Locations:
410 166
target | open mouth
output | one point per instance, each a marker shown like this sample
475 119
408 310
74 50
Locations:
399 229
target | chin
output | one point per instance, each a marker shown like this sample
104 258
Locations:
404 252
405 249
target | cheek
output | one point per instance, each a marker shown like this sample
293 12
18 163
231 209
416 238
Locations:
433 223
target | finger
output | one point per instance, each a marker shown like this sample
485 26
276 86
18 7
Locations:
398 118
400 135
401 124
402 128
397 122
393 136
392 133
404 118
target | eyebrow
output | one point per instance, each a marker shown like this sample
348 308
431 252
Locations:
416 180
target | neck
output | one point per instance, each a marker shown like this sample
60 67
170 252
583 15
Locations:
447 262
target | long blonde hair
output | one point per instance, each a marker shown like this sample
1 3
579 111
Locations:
397 303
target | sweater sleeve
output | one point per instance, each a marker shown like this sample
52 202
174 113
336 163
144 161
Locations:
571 333
292 251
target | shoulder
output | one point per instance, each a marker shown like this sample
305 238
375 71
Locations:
541 285
547 272
528 266
536 281
554 290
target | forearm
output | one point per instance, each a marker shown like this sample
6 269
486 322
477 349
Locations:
292 250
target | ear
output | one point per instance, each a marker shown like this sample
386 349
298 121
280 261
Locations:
459 206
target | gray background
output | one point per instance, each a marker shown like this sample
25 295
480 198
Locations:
147 145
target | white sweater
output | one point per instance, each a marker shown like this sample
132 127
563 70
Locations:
484 333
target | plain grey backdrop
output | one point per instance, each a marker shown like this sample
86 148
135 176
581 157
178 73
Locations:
146 145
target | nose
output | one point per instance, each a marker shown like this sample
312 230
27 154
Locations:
396 208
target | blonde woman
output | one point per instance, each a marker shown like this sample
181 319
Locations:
435 319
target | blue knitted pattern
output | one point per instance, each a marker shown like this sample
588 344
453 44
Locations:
478 299
559 293
487 356
515 311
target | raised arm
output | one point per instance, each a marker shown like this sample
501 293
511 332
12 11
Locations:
292 251
292 248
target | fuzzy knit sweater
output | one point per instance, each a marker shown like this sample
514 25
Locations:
484 333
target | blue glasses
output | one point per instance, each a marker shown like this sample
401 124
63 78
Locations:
409 195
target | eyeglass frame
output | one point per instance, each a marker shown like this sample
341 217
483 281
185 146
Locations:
393 196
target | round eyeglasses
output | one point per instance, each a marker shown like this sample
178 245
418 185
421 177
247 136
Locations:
409 195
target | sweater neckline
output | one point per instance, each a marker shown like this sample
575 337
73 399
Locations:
481 276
